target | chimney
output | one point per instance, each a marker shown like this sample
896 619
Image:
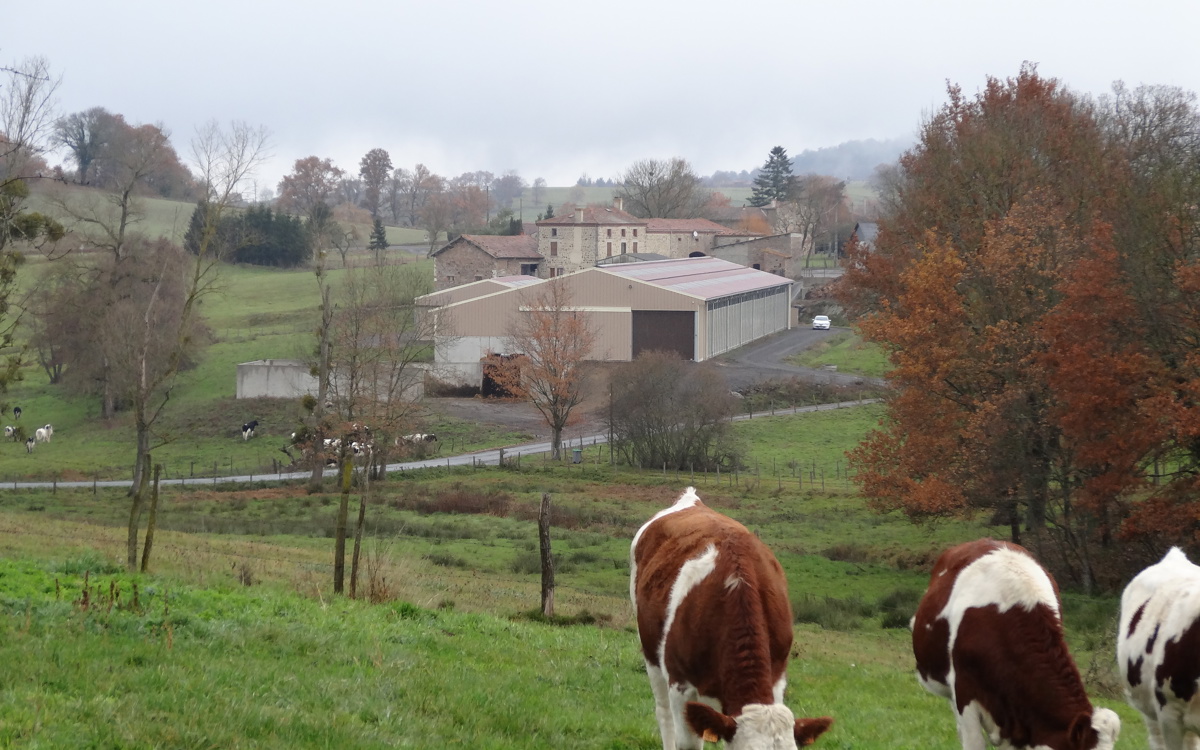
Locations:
579 214
618 203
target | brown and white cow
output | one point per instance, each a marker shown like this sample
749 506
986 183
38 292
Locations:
716 629
1158 650
988 637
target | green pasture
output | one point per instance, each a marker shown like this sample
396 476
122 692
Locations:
234 640
848 352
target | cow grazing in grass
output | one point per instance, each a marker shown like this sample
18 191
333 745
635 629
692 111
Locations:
1158 650
716 629
988 637
248 429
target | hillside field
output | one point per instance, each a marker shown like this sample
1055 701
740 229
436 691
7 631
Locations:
235 641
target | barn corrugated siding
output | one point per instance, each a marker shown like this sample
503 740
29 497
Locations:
738 319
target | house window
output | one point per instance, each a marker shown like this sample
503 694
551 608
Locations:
553 248
622 248
635 247
479 277
609 232
610 249
450 278
622 232
529 269
555 272
635 234
553 231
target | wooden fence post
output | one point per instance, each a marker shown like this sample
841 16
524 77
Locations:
547 558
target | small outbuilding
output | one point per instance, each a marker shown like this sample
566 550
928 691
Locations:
275 378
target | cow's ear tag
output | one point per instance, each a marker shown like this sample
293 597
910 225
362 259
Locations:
710 736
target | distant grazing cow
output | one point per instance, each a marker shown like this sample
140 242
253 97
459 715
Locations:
10 432
29 444
41 436
16 412
1158 650
248 429
49 428
716 629
988 637
415 438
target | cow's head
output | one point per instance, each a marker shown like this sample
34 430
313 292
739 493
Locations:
1097 731
759 727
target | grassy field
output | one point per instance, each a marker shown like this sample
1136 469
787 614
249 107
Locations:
257 314
234 640
847 352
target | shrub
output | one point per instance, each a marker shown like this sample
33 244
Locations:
88 561
831 613
446 560
528 563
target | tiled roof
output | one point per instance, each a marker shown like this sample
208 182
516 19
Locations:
593 215
703 226
706 278
521 246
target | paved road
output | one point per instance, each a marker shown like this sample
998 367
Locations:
763 360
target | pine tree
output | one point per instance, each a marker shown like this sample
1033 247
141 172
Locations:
774 182
378 236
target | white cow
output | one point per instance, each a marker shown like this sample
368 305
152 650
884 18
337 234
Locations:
1158 650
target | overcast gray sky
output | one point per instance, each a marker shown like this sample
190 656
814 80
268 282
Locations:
557 89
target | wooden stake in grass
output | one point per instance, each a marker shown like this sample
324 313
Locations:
547 558
153 520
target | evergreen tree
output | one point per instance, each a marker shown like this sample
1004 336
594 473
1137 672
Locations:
774 182
549 211
378 236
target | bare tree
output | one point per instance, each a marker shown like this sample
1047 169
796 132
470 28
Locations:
134 155
83 134
416 189
224 159
374 169
555 339
667 412
507 188
26 116
436 217
313 182
376 340
662 188
539 189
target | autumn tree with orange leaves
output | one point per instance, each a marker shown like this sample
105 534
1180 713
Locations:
555 340
1036 284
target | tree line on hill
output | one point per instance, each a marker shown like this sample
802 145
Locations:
1036 284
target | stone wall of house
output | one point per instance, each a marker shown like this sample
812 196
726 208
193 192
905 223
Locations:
461 263
752 253
679 244
576 248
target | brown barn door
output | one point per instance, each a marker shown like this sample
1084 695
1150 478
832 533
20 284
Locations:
664 330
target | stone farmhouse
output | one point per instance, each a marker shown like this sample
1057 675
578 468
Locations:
475 257
584 236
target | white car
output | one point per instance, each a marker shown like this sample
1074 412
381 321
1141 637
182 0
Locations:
821 322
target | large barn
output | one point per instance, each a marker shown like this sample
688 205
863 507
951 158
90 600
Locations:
698 307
